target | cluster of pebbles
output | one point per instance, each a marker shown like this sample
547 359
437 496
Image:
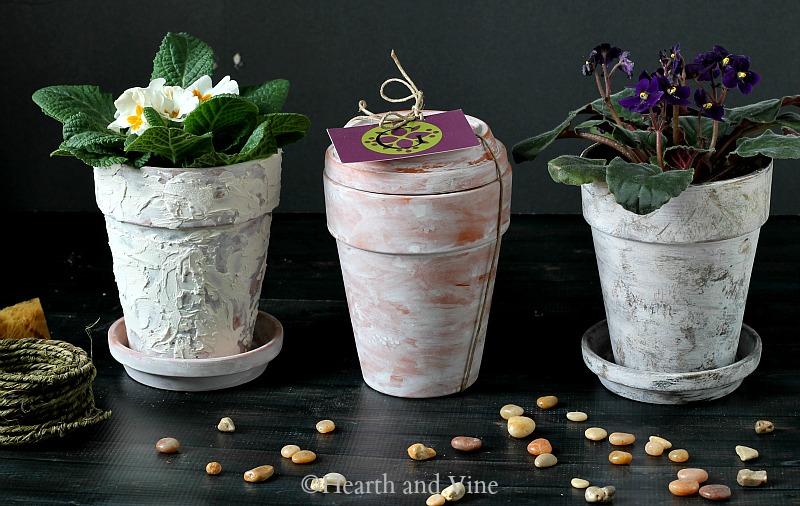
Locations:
689 481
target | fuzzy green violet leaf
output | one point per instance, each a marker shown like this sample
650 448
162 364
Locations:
63 102
182 59
769 144
173 144
693 133
269 97
760 112
528 149
642 188
577 170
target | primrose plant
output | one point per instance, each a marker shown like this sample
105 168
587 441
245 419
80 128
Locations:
181 119
656 142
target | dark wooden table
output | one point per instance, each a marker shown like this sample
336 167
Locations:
546 295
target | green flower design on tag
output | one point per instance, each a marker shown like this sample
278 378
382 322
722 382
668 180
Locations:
413 137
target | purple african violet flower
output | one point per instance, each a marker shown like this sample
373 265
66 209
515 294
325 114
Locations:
625 64
673 94
706 65
672 61
600 55
738 74
645 96
707 106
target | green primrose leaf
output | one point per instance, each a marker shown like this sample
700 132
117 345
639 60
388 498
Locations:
260 144
182 59
220 115
577 170
152 117
63 102
769 144
269 97
287 128
642 188
174 144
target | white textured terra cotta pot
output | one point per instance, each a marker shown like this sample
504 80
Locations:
418 241
675 281
189 250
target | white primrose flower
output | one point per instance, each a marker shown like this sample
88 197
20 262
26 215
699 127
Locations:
203 90
172 102
130 106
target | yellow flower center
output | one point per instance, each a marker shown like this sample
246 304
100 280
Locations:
707 105
726 60
672 55
643 95
173 113
672 90
741 75
136 121
205 97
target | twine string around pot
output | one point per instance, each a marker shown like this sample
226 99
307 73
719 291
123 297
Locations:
393 119
45 390
492 266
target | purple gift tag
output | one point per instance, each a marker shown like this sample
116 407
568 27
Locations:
437 133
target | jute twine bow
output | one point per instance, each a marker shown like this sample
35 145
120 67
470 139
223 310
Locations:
394 119
45 390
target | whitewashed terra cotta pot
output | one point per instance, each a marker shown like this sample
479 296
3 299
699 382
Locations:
189 250
418 241
674 285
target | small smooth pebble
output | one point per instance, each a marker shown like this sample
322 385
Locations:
435 500
693 473
168 445
748 478
682 487
213 468
746 453
226 425
304 457
540 446
715 492
510 410
454 492
579 483
764 427
545 460
577 416
258 474
289 450
325 426
466 443
621 438
547 402
620 458
595 433
679 455
654 448
521 426
335 479
599 494
419 451
666 444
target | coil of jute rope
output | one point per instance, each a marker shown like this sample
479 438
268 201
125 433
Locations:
45 390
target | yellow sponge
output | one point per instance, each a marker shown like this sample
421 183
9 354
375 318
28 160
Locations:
25 319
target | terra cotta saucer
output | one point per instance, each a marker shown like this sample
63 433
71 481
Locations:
195 375
665 387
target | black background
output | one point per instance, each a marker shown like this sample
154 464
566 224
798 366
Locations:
514 64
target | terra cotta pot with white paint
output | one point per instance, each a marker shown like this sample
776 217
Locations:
189 252
418 241
675 285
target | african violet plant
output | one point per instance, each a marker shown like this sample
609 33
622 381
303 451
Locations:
178 120
660 141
